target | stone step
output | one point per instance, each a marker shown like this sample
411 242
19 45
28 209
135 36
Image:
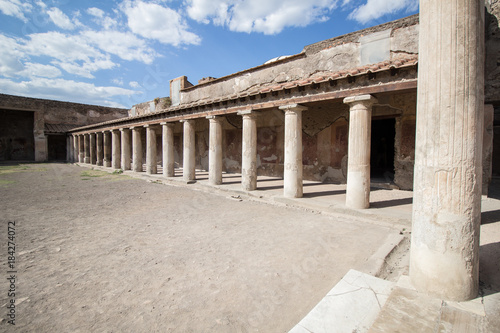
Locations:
407 310
351 306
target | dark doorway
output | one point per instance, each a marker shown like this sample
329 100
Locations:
57 147
382 150
17 142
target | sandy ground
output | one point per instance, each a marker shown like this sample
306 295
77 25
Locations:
108 253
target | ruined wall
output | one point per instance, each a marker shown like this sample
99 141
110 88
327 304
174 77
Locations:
148 107
16 135
379 43
56 113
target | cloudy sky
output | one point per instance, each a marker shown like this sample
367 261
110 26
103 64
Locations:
124 52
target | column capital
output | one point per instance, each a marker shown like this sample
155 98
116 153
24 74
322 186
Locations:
364 99
150 125
248 112
293 108
186 120
124 129
167 123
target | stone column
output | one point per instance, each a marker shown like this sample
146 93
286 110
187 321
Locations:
188 154
136 149
168 149
93 157
81 150
115 149
106 139
151 167
99 149
249 151
125 148
444 258
215 151
86 148
69 148
76 147
358 163
293 187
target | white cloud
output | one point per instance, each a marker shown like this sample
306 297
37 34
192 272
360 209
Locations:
374 9
72 53
11 57
101 18
96 12
134 84
15 8
123 44
60 89
153 21
39 70
118 82
266 16
60 19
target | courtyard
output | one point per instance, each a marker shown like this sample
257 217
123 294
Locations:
97 251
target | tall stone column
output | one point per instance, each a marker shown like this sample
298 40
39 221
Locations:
249 151
168 149
215 151
86 148
115 149
293 187
81 149
106 139
188 154
151 167
444 258
69 148
358 163
136 149
93 157
99 149
76 147
125 148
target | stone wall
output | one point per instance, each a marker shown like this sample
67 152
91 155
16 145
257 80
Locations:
52 112
385 42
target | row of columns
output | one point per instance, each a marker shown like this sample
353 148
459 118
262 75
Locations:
122 149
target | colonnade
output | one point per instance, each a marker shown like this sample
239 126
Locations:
123 149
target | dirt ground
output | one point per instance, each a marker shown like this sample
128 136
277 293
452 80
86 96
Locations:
96 252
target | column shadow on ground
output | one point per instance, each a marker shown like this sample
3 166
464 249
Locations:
391 203
490 217
323 194
489 266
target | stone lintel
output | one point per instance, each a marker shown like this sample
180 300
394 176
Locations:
249 112
360 98
293 107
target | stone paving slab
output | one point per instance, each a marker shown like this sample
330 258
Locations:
351 306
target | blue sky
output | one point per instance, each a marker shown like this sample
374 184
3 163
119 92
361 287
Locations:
124 52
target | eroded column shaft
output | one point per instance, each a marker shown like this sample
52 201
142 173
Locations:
151 167
75 148
249 151
293 168
447 179
99 149
125 148
215 151
358 163
168 149
115 149
188 160
136 149
86 148
106 139
93 156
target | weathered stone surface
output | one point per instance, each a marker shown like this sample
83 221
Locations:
447 191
